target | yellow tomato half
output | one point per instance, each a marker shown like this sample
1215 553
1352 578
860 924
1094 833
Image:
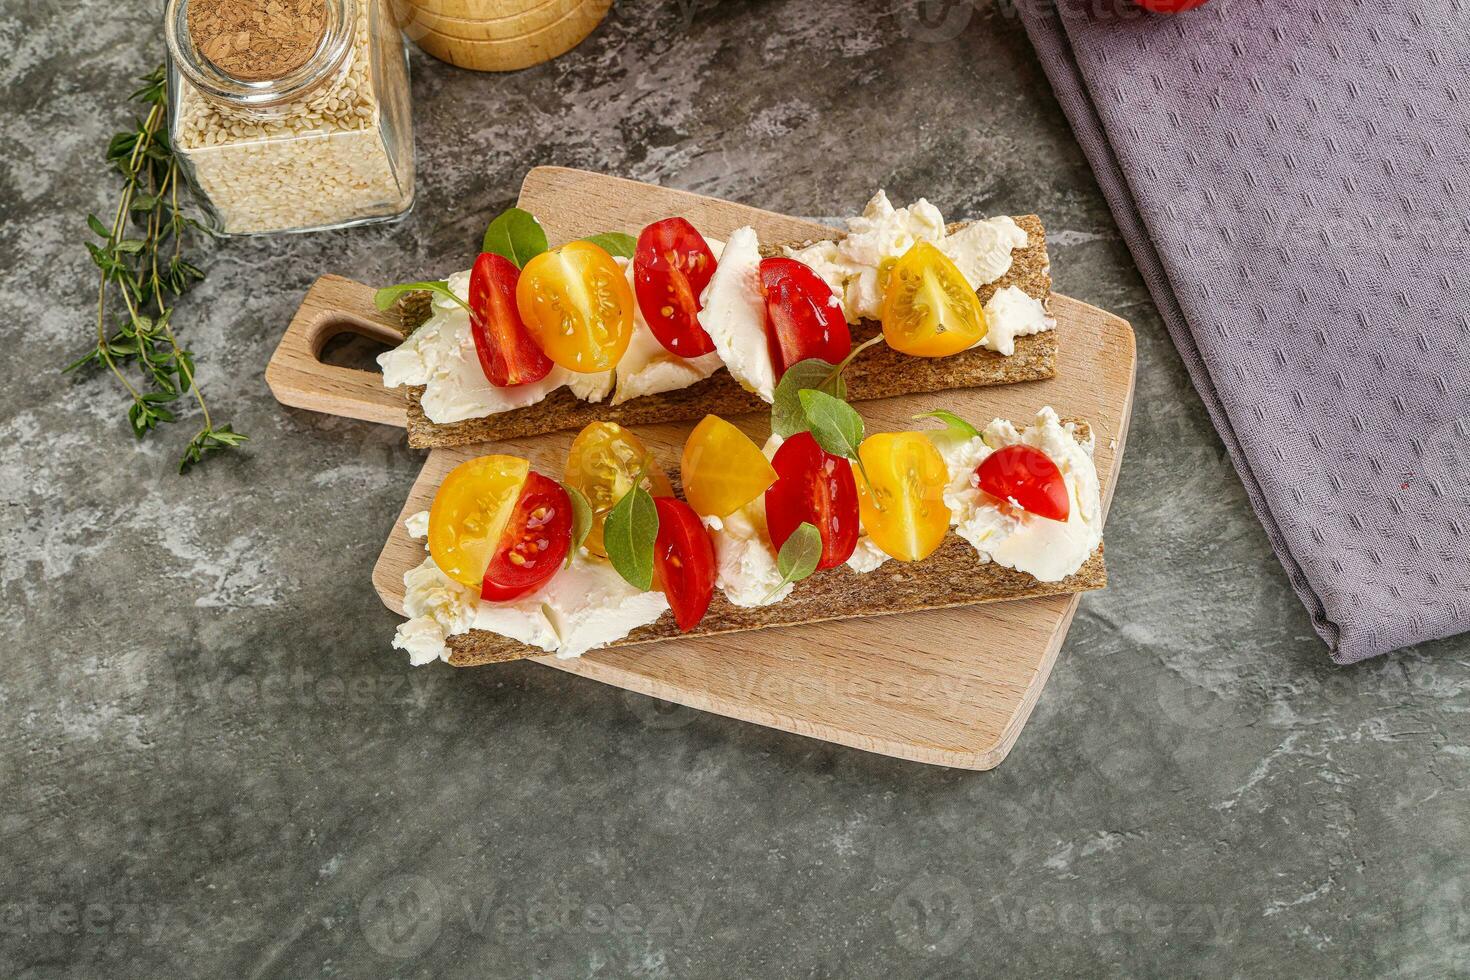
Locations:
722 469
901 503
602 463
469 513
577 304
929 310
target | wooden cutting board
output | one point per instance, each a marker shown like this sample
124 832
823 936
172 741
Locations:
950 687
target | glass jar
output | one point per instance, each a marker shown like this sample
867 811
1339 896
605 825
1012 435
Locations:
301 135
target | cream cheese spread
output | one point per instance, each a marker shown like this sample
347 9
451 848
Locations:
1047 549
584 606
982 250
734 315
441 356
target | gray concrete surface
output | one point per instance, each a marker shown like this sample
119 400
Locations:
214 765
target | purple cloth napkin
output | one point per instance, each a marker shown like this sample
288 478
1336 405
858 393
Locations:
1293 179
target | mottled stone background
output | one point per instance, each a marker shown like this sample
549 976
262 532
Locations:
214 765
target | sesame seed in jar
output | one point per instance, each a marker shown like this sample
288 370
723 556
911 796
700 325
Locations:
335 155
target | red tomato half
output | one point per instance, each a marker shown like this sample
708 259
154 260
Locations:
683 561
1029 477
534 542
671 266
814 487
1169 6
508 353
803 318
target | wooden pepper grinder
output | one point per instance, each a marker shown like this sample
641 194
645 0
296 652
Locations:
499 35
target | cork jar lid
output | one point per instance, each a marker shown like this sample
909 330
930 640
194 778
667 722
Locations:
257 40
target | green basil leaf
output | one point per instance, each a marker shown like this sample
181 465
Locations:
787 416
581 519
628 535
835 424
952 422
516 235
615 243
384 298
799 555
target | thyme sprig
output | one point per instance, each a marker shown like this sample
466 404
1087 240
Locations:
141 262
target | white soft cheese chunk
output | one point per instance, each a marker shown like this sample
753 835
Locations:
1001 532
648 367
1012 313
582 607
590 605
746 560
417 525
734 315
437 607
852 266
982 249
867 556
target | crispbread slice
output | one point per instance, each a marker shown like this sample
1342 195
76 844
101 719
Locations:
953 575
878 372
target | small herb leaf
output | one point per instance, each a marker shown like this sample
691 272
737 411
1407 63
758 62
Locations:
952 422
384 298
581 519
787 415
629 534
835 424
799 555
516 235
615 243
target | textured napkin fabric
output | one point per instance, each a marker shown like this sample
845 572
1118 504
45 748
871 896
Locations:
1293 178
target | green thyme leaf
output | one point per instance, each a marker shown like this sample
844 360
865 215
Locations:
952 423
581 519
615 243
629 534
516 235
835 424
798 557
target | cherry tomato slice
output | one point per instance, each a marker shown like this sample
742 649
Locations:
534 543
929 310
508 354
1169 6
671 266
722 470
902 501
576 303
1029 477
803 318
602 463
814 487
683 561
469 512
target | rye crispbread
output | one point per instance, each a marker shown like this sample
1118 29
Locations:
878 372
953 575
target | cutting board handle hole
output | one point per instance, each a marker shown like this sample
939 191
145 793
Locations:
348 347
